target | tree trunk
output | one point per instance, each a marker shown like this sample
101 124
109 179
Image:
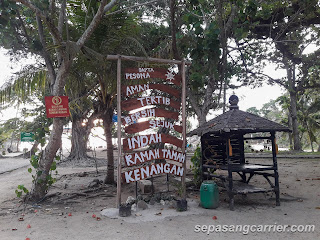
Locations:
79 140
293 107
202 119
295 124
33 150
40 186
290 134
107 123
18 143
312 149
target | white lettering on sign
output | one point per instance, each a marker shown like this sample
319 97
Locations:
146 70
161 123
152 154
173 155
142 157
141 114
133 76
154 100
142 141
136 88
147 171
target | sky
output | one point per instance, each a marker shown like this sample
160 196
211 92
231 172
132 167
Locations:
5 69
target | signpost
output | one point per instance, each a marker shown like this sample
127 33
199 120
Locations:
146 111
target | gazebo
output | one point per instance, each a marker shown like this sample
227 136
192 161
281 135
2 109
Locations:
222 147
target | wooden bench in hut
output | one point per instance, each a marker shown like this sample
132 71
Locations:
222 146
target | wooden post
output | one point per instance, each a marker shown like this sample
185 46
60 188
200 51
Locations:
183 180
230 180
275 166
119 130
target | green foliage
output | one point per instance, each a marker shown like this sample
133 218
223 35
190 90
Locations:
20 190
40 134
196 166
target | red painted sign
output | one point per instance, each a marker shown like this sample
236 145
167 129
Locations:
151 112
147 73
57 106
141 141
141 126
137 94
134 89
152 154
148 171
135 103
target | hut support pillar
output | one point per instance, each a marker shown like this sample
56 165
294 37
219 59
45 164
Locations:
230 181
275 165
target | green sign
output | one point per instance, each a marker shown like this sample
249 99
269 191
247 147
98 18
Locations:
27 137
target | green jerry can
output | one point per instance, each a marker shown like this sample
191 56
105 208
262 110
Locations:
209 194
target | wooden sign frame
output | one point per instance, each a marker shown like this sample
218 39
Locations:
177 82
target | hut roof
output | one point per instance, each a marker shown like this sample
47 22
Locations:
240 121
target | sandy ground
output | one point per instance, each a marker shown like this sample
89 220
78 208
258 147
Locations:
300 205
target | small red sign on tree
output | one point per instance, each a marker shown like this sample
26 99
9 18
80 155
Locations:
57 106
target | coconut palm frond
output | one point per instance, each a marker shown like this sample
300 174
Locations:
23 84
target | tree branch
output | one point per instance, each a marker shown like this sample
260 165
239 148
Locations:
45 53
49 22
62 16
95 21
134 6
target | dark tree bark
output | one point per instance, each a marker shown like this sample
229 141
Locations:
33 150
107 123
290 134
79 140
40 186
293 107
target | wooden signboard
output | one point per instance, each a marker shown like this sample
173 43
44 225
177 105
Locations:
145 140
134 89
141 126
153 154
135 103
141 80
57 106
151 170
150 112
147 73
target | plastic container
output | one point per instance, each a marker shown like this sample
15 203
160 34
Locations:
209 194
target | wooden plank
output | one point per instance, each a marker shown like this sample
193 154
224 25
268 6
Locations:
151 112
138 88
153 154
141 126
147 73
145 140
151 170
135 103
